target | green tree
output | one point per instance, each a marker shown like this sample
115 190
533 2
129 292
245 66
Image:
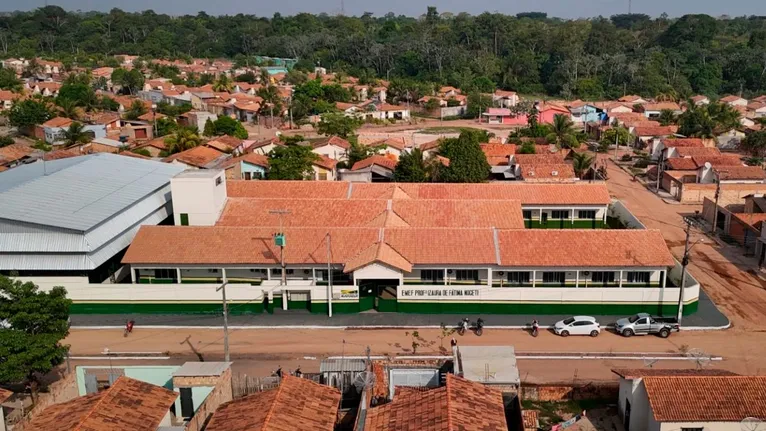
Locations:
708 121
6 140
248 77
357 152
222 84
165 126
618 135
29 113
333 124
9 81
76 134
226 125
131 81
291 162
581 163
183 139
30 341
667 117
468 164
477 103
754 144
527 147
136 109
68 108
562 132
209 129
412 168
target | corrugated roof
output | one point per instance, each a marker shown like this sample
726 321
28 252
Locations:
331 365
79 196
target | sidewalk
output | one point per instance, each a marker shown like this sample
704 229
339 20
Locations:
707 316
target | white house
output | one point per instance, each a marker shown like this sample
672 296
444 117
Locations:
700 100
653 110
756 110
734 100
505 99
688 399
333 147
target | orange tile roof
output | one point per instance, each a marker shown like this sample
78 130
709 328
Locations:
297 404
751 219
332 140
453 246
325 162
547 172
731 98
158 143
432 145
397 143
637 373
378 252
698 152
128 404
62 154
9 95
661 106
376 160
680 164
741 173
224 143
595 248
199 156
134 155
539 159
13 152
505 214
629 98
706 398
498 150
683 142
288 189
57 122
716 161
252 158
151 116
655 131
460 405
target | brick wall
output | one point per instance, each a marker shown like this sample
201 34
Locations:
696 193
59 392
565 393
221 394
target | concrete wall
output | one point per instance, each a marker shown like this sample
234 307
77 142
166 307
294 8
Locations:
696 193
201 198
59 392
619 211
706 426
221 393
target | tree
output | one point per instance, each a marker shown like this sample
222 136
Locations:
131 81
9 81
30 345
432 104
165 126
222 84
468 164
357 151
76 134
6 140
412 168
581 163
754 144
68 108
616 135
183 139
527 147
291 162
708 121
225 125
248 77
29 113
667 117
562 132
136 109
477 103
333 124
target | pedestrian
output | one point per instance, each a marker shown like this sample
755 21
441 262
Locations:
453 342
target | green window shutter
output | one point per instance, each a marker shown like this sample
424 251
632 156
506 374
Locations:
184 219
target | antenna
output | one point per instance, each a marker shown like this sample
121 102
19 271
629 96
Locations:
342 7
751 424
630 7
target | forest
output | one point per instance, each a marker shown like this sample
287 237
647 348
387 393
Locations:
530 53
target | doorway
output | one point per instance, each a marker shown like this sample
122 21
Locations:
378 294
626 422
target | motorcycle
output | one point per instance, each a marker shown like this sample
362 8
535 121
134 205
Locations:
463 326
479 329
129 327
535 328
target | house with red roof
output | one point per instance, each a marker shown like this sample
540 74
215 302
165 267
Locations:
547 112
333 147
505 99
377 168
503 116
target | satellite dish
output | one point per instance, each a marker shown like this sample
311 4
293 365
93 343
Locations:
699 357
752 424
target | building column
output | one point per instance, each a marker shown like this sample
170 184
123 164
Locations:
534 278
664 275
178 275
268 273
133 275
445 276
489 277
577 278
620 279
314 275
223 275
571 216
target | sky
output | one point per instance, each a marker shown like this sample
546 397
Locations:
558 8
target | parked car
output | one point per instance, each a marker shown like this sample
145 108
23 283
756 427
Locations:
577 325
644 324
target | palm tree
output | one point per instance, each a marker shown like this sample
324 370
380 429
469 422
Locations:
562 132
182 140
68 108
76 134
667 117
222 84
581 163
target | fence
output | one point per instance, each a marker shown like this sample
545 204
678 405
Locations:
243 385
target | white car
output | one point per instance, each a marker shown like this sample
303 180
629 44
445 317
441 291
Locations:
577 325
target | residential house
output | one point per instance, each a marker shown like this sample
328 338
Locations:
708 167
50 67
377 168
737 174
391 146
708 399
583 113
16 154
667 148
653 110
379 94
458 405
505 99
333 147
7 98
700 100
227 144
730 140
110 120
756 109
385 111
196 119
503 116
52 131
265 146
547 112
136 131
423 101
430 148
297 404
128 404
499 158
249 166
541 167
734 100
621 118
199 157
448 92
155 147
325 169
48 89
633 99
102 145
645 136
15 64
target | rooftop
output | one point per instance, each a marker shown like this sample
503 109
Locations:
729 173
128 405
637 373
80 192
698 151
200 369
376 160
489 364
706 398
297 404
200 156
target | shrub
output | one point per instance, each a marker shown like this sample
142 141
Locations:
626 158
641 163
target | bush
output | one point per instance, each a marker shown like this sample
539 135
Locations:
626 158
142 151
6 140
641 163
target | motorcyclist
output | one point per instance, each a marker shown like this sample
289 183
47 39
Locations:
535 327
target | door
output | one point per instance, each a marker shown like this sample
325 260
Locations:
581 327
626 422
543 218
187 403
248 176
379 295
642 325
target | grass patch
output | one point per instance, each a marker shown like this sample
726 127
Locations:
446 129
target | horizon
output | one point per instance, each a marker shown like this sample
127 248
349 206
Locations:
554 8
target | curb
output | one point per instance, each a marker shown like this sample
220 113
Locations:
364 327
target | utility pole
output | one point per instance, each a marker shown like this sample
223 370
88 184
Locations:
616 141
225 322
659 170
279 240
630 7
329 278
717 194
684 262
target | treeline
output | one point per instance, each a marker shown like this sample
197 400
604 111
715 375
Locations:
530 53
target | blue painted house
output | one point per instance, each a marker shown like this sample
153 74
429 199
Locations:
247 167
585 113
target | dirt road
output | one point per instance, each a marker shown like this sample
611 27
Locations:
739 294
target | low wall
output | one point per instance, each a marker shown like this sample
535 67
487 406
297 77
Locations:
696 193
606 391
58 392
619 211
221 394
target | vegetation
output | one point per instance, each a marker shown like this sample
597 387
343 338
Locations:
530 53
413 168
76 134
130 81
619 134
183 139
755 144
667 117
29 113
6 140
291 162
338 125
708 121
36 322
562 132
581 163
136 109
468 164
527 147
225 125
9 81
